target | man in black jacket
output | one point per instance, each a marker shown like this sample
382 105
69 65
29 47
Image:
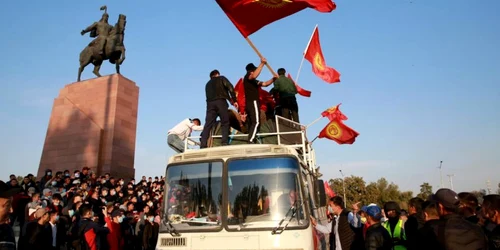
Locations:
415 221
453 231
377 237
217 91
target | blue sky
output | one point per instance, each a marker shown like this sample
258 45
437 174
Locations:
419 79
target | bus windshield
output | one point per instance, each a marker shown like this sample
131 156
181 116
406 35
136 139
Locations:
262 191
194 196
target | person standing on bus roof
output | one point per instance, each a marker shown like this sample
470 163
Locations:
252 104
181 132
217 90
286 90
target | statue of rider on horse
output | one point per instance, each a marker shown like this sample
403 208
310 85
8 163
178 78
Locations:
107 44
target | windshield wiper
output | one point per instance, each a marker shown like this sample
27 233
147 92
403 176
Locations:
170 228
292 209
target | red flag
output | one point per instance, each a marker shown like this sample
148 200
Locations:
300 90
333 113
337 131
328 190
266 100
251 15
315 56
239 90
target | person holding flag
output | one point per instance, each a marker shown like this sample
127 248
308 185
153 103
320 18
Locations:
251 87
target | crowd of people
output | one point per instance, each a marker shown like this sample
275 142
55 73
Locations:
80 210
83 211
446 220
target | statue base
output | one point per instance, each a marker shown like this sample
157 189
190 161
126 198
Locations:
93 123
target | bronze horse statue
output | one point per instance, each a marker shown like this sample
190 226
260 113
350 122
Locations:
113 50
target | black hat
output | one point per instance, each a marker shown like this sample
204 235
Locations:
446 197
6 191
250 67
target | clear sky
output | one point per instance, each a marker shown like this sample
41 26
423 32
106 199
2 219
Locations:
419 79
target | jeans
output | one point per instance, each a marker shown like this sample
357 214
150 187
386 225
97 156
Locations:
175 143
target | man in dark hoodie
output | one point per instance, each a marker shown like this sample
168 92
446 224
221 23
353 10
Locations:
426 238
453 231
491 212
395 225
468 206
415 222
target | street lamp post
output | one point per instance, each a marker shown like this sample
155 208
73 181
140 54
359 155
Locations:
441 173
343 184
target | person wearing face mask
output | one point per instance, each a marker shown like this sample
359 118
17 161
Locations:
52 231
150 234
57 203
77 175
344 229
115 239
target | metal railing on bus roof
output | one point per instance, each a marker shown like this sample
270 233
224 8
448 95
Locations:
303 147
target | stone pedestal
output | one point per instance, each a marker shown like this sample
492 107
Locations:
93 123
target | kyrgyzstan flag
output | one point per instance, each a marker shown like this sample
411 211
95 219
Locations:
334 113
300 90
249 16
337 131
315 56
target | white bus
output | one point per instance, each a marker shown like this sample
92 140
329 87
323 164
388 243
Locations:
257 196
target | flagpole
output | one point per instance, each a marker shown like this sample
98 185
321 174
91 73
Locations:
314 139
315 121
260 55
304 54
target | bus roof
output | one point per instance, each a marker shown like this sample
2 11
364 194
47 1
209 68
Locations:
291 140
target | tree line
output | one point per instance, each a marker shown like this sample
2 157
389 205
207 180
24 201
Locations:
382 191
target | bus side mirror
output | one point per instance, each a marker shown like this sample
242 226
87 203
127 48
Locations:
321 193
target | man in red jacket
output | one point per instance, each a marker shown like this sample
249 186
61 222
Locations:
115 239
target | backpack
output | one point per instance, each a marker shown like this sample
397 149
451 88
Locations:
83 245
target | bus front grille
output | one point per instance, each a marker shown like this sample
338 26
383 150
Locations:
173 242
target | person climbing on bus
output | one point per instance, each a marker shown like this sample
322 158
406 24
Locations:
178 134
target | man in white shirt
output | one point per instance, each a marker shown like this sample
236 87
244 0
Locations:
181 132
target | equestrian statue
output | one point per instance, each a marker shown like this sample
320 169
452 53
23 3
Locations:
107 44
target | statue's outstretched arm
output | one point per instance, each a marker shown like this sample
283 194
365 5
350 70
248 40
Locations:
91 27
